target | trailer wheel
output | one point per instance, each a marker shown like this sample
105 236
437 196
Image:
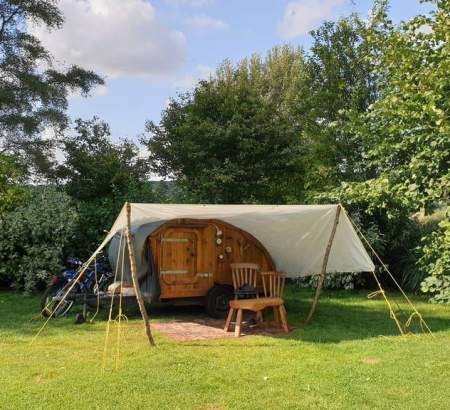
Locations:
217 301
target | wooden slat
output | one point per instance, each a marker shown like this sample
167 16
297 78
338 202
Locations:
182 240
244 273
273 283
174 272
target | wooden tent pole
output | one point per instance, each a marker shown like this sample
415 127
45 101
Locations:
324 266
137 289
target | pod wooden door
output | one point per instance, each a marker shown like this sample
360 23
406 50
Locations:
178 256
181 262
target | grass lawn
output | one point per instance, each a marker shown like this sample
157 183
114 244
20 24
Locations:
351 357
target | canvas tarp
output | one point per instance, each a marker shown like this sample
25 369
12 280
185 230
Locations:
296 236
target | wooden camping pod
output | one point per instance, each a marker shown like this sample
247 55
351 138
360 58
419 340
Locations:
192 256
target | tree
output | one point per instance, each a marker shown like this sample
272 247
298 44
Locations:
233 138
298 110
94 166
407 128
100 176
33 93
11 178
405 135
339 87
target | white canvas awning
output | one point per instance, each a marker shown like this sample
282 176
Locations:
296 236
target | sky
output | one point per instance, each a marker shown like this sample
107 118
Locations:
150 50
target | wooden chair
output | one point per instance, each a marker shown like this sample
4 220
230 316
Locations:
245 280
273 284
244 274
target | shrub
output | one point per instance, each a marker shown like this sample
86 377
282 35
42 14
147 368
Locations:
385 219
435 262
347 281
34 237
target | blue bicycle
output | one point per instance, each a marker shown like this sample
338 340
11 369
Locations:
87 289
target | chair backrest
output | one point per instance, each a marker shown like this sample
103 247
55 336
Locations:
273 284
244 274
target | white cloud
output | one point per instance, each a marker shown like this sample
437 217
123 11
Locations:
204 22
203 72
301 16
101 91
190 3
117 38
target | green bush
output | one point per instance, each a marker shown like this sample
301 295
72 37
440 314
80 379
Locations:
435 262
11 179
346 281
34 237
385 219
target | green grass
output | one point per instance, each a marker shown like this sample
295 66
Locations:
351 357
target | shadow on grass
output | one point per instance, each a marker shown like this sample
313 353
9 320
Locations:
340 316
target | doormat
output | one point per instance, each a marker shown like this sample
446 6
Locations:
210 329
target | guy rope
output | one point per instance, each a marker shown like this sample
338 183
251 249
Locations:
108 325
381 291
118 319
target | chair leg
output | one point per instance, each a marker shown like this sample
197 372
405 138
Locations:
237 328
259 317
228 321
283 318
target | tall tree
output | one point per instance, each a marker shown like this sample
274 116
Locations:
94 166
33 92
340 86
100 176
233 138
405 136
408 128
